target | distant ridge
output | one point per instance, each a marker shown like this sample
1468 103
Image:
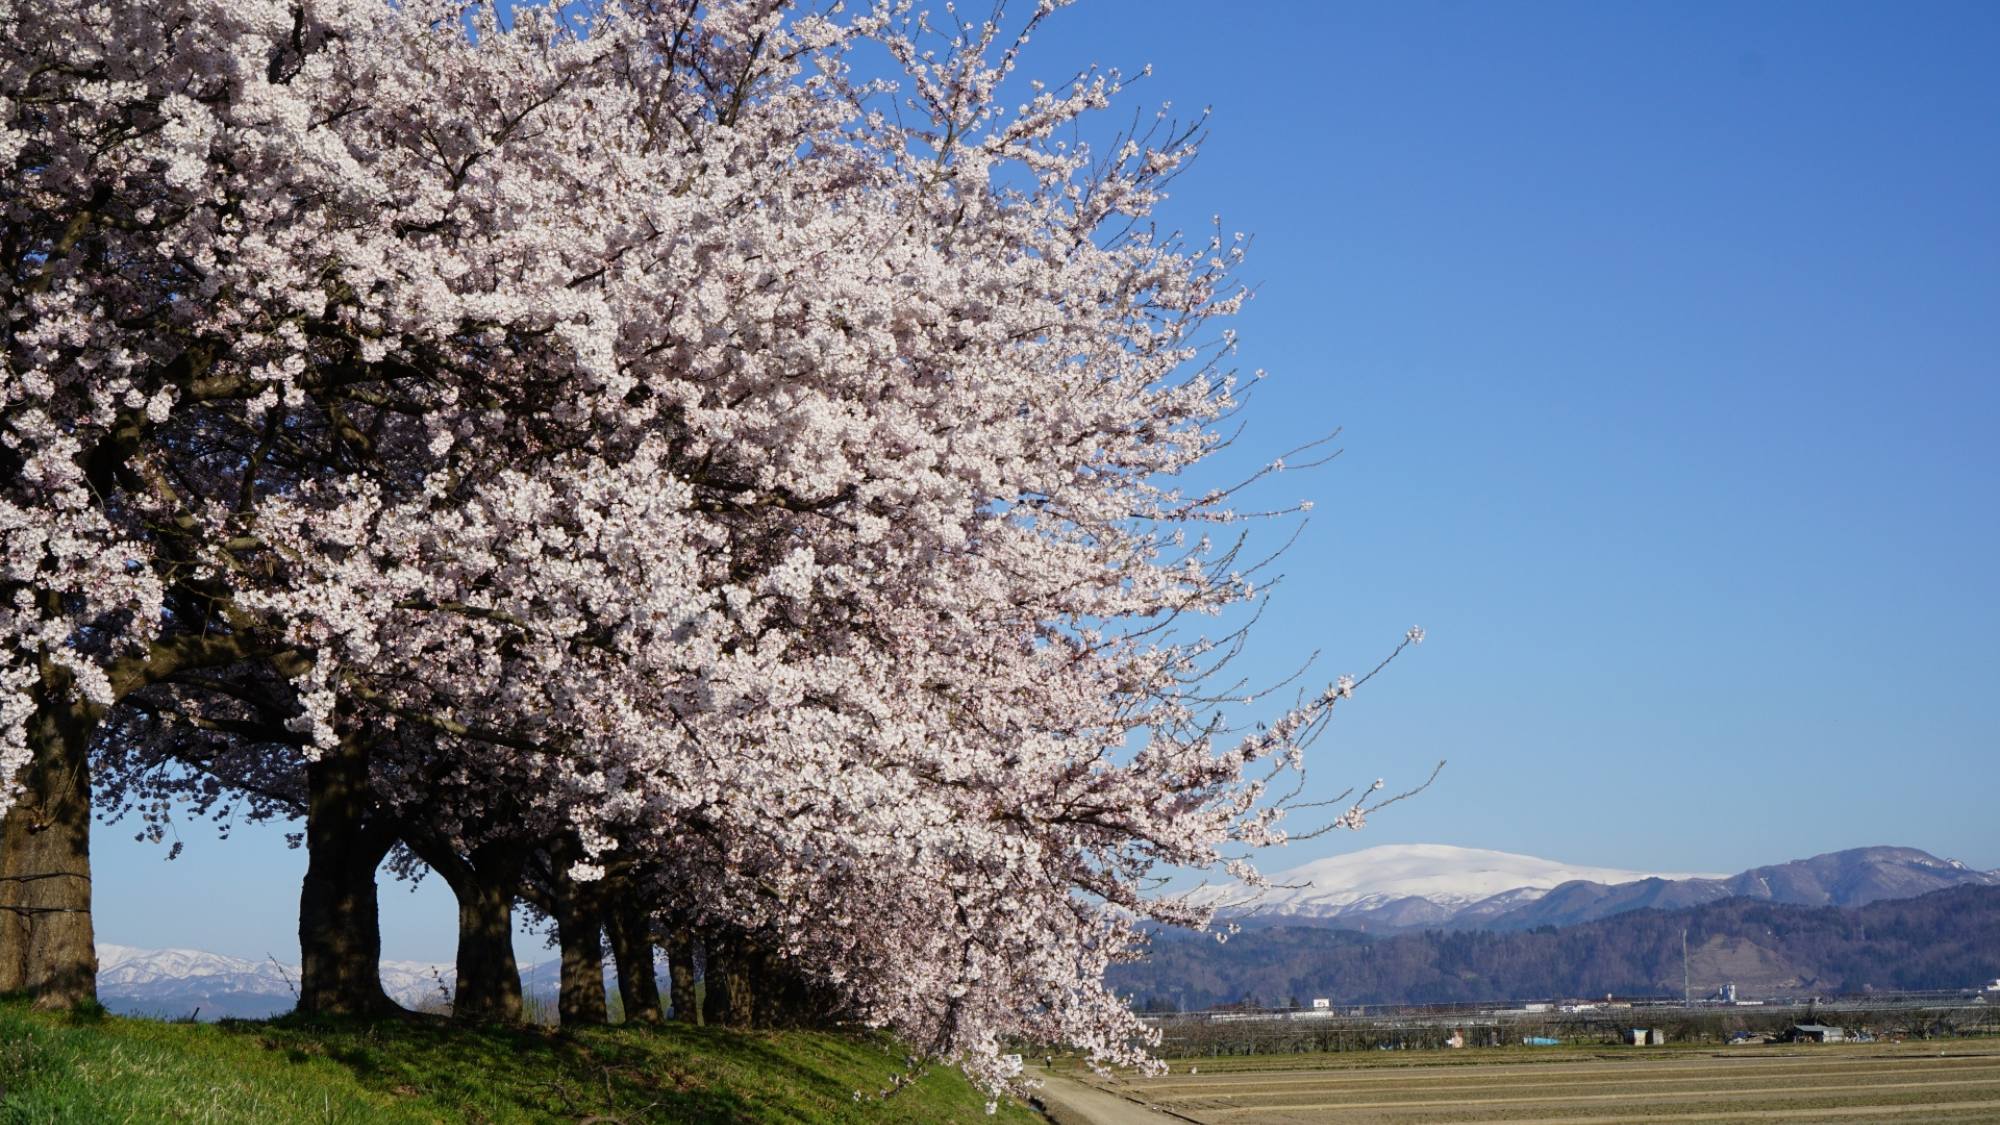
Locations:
1947 939
1416 886
1855 877
1386 890
176 982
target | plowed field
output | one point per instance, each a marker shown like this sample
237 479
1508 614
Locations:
1860 1082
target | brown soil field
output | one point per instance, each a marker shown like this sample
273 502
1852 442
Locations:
1909 1082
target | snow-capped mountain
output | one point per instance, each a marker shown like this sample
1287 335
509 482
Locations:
1397 887
1414 884
1387 888
123 968
1855 877
178 982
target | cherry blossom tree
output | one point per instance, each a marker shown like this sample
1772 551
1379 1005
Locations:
625 431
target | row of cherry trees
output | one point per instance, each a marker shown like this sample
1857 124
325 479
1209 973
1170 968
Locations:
626 460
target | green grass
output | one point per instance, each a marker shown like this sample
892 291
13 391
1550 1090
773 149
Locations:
95 1068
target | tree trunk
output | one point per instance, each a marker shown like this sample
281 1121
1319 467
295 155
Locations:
742 980
786 999
732 979
632 948
716 994
486 882
488 988
580 933
340 930
771 1005
581 1001
680 975
47 946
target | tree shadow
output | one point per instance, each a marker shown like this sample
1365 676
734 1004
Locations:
621 1074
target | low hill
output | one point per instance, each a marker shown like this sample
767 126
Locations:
1946 939
103 1068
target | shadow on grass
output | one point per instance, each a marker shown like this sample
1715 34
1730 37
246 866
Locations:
88 1012
509 1073
426 1068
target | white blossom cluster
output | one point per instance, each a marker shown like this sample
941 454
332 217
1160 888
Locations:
655 432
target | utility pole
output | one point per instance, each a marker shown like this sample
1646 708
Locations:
1687 993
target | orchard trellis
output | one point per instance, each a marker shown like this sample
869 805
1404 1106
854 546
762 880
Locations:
624 460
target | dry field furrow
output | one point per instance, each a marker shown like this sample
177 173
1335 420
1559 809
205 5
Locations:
1924 1111
1387 1065
1572 1060
1764 1092
1907 1084
1623 1075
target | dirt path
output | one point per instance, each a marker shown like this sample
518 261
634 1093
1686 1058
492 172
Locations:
1067 1101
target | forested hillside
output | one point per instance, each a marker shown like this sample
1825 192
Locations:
1947 939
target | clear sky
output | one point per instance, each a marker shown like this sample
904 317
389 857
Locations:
1666 343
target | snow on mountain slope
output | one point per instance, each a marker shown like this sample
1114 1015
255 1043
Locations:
1854 877
410 983
122 968
1448 877
173 981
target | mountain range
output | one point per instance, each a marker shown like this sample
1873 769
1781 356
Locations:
1396 888
1314 918
1947 939
177 983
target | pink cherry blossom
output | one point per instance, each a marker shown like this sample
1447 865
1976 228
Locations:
647 427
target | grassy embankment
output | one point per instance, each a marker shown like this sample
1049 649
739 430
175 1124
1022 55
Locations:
89 1068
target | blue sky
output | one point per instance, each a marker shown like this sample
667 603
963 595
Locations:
1666 344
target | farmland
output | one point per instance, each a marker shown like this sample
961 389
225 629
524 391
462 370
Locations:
1930 1081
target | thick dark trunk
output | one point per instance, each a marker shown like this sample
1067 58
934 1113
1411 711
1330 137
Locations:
581 1001
715 991
743 979
488 984
488 989
47 946
486 882
632 948
680 975
765 992
340 931
784 999
579 931
758 989
731 978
